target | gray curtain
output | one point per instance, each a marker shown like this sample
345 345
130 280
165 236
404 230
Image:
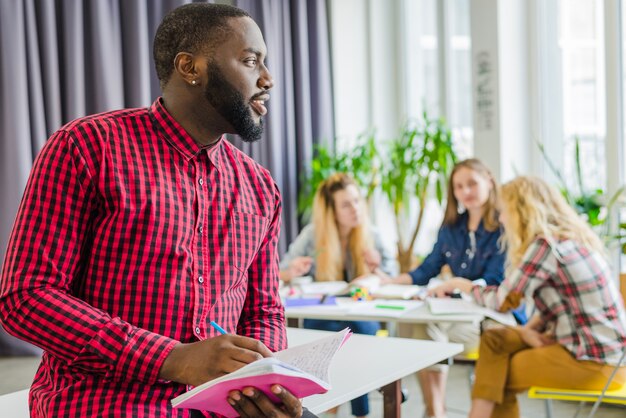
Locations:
300 108
63 59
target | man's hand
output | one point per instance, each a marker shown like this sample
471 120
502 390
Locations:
253 403
199 362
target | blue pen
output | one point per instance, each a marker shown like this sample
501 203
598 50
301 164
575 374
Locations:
217 327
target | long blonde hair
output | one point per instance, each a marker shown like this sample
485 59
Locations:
490 215
536 209
329 265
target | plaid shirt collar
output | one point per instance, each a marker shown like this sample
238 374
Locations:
179 138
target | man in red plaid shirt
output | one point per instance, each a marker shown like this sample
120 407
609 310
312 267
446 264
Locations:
138 227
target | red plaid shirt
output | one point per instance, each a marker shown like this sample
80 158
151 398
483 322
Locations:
129 238
574 295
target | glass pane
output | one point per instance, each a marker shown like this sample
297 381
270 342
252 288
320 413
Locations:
592 158
428 12
582 90
459 17
579 19
430 76
460 76
460 99
582 57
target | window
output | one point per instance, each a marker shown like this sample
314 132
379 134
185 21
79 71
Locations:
438 60
581 43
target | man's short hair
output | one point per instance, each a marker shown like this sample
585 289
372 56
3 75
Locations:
193 28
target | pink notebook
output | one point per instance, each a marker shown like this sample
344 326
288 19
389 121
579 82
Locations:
303 370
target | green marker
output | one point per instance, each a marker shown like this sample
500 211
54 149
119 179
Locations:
397 307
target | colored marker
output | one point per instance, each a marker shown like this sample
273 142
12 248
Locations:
217 327
390 307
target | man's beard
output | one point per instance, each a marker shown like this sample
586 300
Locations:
231 105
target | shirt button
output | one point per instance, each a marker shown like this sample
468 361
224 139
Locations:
201 181
200 229
448 254
463 265
201 279
198 330
467 251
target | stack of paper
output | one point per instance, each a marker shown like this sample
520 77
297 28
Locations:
459 306
324 288
399 291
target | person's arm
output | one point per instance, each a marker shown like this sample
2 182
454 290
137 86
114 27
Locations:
298 260
388 263
432 263
45 260
534 333
263 317
533 270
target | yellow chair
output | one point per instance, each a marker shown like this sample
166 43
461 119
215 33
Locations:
468 358
617 396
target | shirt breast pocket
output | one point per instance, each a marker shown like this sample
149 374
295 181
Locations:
247 232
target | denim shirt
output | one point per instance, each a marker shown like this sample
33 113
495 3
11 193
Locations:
453 247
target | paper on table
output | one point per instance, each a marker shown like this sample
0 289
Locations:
384 308
442 306
324 288
398 291
370 282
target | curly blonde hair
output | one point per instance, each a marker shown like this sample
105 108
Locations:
536 209
329 265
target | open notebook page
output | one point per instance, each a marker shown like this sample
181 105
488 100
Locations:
315 357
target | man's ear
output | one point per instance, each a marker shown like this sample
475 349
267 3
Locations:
186 66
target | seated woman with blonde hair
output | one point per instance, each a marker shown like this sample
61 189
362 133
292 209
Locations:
338 245
578 332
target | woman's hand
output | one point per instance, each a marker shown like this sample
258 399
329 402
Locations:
404 278
299 266
372 258
535 338
449 286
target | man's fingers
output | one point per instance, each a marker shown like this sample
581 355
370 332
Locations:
291 405
251 345
244 402
261 401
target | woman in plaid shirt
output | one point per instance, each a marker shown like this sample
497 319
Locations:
578 332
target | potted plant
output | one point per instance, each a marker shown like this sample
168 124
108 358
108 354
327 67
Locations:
362 162
415 165
595 205
419 160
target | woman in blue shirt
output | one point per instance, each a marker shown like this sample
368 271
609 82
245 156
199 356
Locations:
468 245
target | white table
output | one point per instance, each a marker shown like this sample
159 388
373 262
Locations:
367 363
419 315
15 405
363 364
